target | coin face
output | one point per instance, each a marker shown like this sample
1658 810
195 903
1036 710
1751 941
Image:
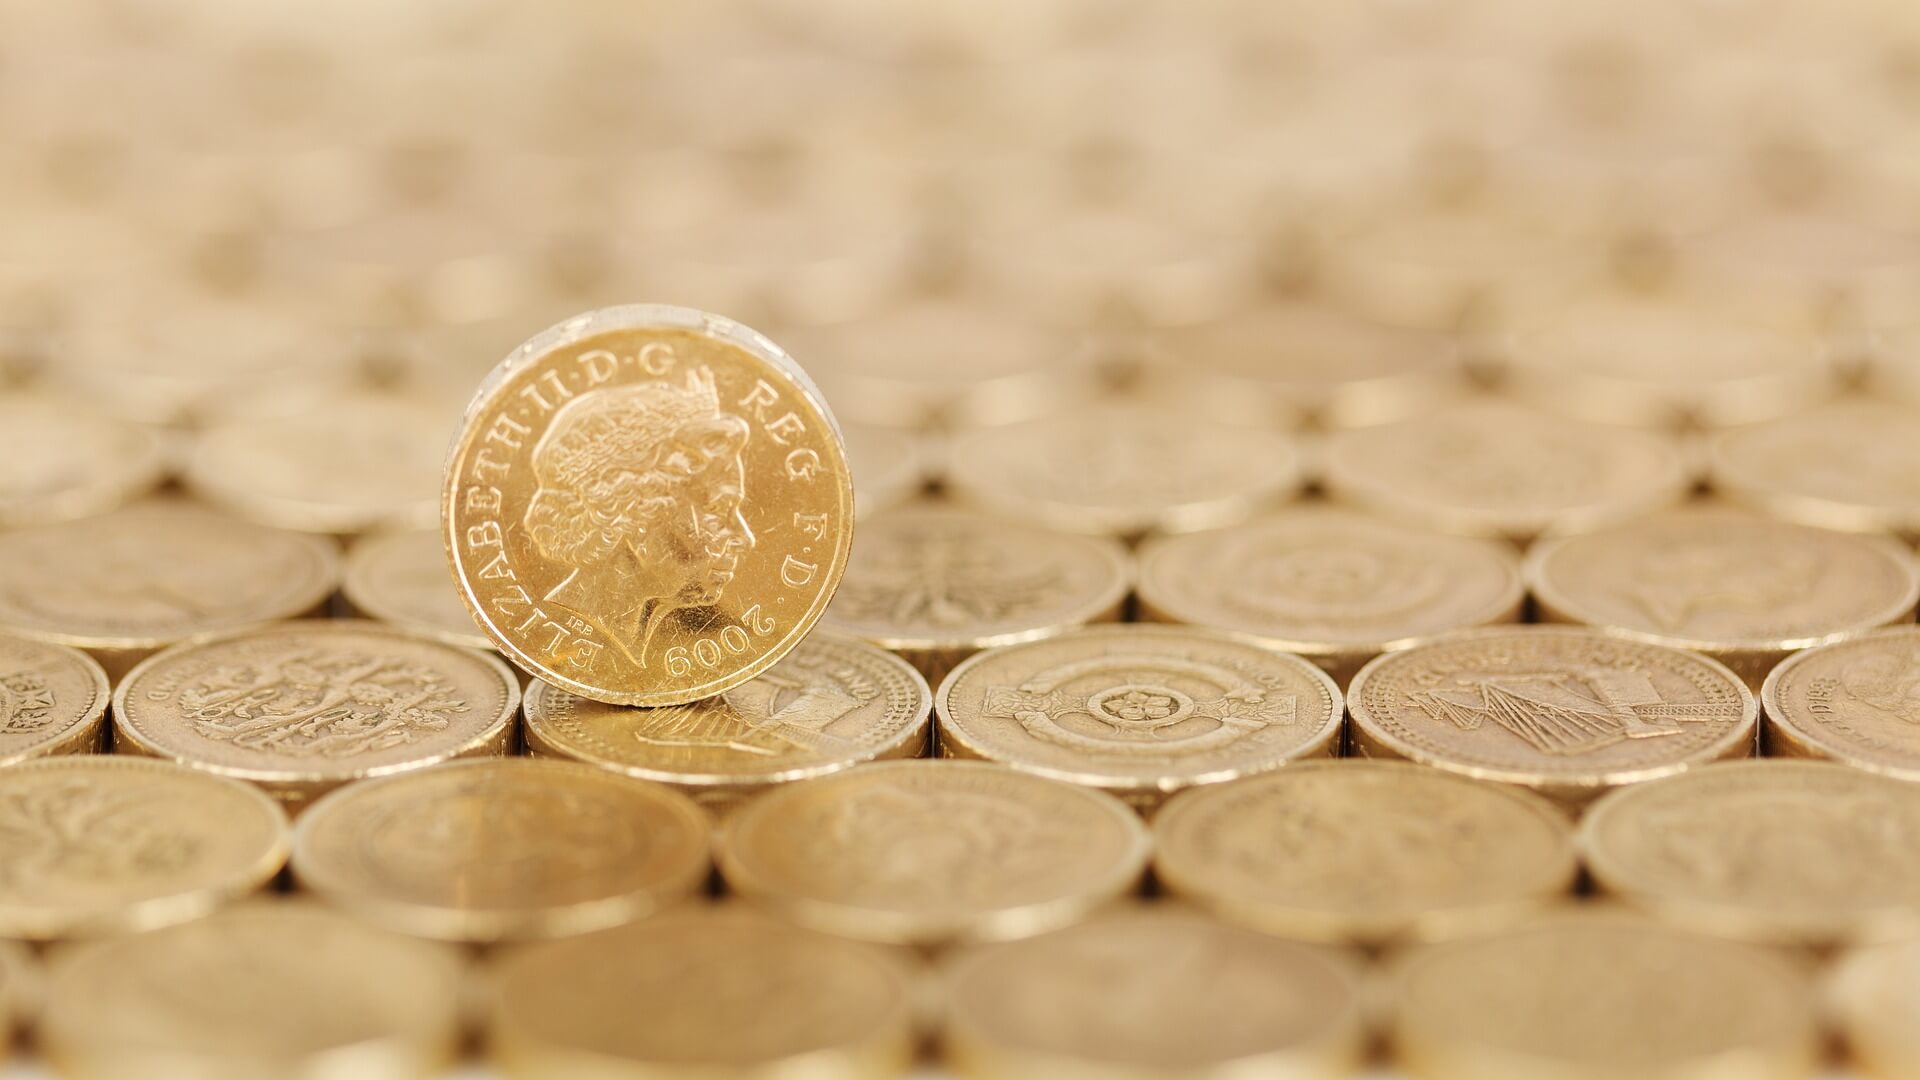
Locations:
1371 851
502 850
1848 465
1743 589
1528 1002
1853 701
1123 470
1153 992
1141 711
1494 469
817 1003
930 852
1568 712
1876 991
53 700
401 578
266 989
97 845
937 585
1798 851
648 505
304 707
1334 586
60 460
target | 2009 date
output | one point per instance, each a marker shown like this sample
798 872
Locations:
710 652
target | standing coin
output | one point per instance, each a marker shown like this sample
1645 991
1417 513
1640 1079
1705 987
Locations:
1336 587
933 852
304 707
1141 711
1371 851
98 845
53 700
937 585
60 460
1849 465
1153 992
1567 712
1876 991
648 505
1852 701
401 578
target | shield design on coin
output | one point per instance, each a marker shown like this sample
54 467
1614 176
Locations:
25 703
1141 705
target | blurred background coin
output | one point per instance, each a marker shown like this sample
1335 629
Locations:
1850 702
61 460
1848 465
19 983
1873 994
889 466
53 701
401 578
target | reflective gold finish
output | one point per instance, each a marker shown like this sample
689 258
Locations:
1848 465
61 460
1852 701
53 701
401 578
1876 994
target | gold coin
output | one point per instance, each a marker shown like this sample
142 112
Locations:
1489 468
888 467
502 850
1848 465
1123 470
127 584
1153 992
98 845
648 505
1140 711
829 704
1742 589
1565 711
1369 851
19 977
937 584
301 708
729 995
933 852
1444 265
1875 992
61 460
53 700
1600 995
1793 851
401 578
1850 702
1336 587
267 989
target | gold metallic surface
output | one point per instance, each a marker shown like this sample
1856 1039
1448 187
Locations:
648 505
1875 992
401 578
1853 464
53 701
19 985
61 460
1851 702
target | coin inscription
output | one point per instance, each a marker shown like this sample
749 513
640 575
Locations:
53 700
1855 701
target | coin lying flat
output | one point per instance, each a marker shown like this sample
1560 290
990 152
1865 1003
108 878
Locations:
18 976
1744 590
889 466
266 989
401 578
829 704
1565 711
60 460
502 850
1602 996
1875 990
1796 851
127 584
1852 701
931 852
1494 469
1371 851
97 845
53 700
301 708
1336 587
1153 992
1141 711
1848 465
818 1006
648 505
936 584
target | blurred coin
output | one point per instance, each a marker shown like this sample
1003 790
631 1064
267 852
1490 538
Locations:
933 852
124 585
1140 711
616 476
889 466
1852 464
1334 586
936 584
401 578
1599 995
268 989
1153 992
1875 991
53 700
1851 701
1445 267
1811 268
506 850
831 703
301 708
1567 712
1489 468
729 994
19 983
61 460
1367 851
1745 590
104 845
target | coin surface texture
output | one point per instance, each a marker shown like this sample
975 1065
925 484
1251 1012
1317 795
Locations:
1876 994
401 578
1855 701
97 845
19 978
1141 711
502 850
1851 464
53 700
304 707
1153 992
1370 851
648 505
1566 711
61 460
931 852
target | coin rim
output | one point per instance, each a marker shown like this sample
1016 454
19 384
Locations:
361 597
1812 743
88 730
1806 508
132 479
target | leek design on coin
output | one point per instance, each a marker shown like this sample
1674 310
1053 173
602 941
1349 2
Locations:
648 505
